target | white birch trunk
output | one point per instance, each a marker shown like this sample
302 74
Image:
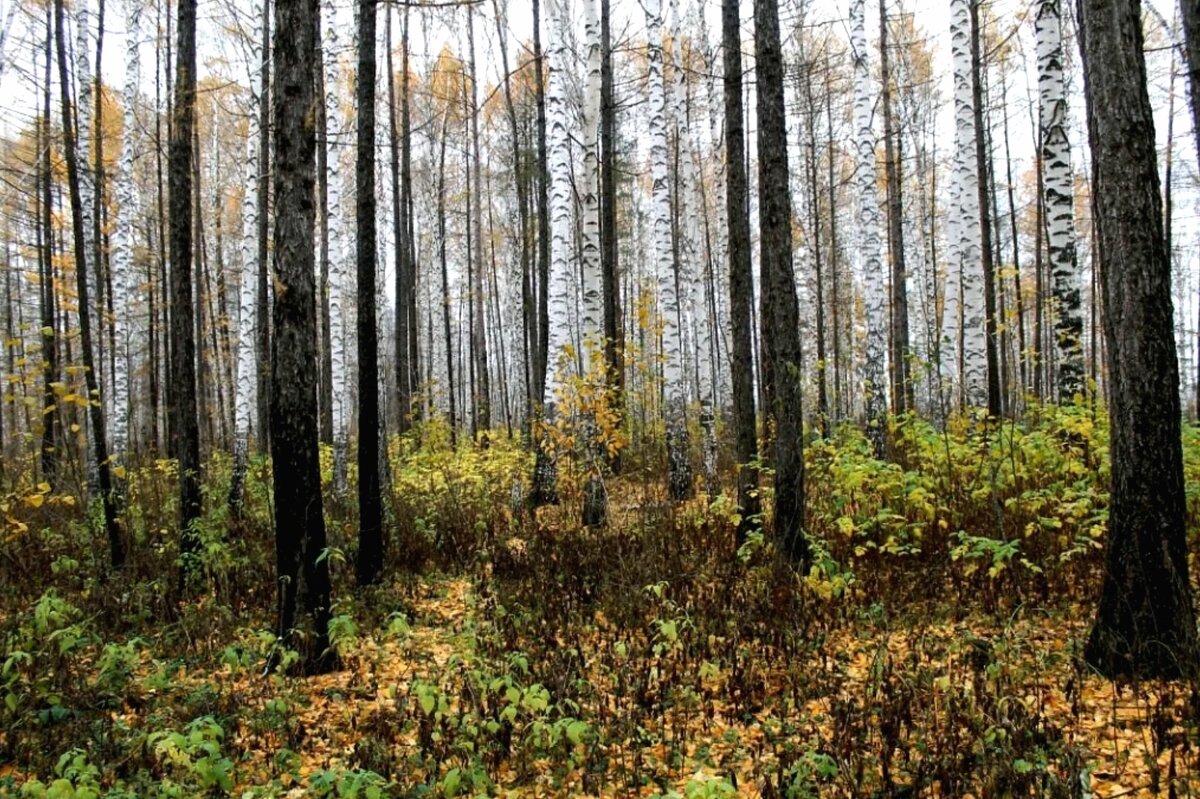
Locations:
558 148
872 268
973 331
246 389
122 260
590 254
560 301
1059 198
692 273
83 144
340 246
675 382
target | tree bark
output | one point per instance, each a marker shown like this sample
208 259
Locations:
780 312
185 424
1145 625
614 340
370 509
902 386
302 568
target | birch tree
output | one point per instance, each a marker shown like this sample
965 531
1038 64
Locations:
679 475
339 246
559 302
122 260
691 274
245 393
595 503
1058 197
874 368
966 252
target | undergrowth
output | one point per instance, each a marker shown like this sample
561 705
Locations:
930 650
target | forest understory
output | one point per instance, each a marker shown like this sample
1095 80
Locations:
933 647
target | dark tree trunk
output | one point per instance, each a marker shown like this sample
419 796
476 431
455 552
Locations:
528 321
302 571
404 385
902 387
741 276
780 314
995 406
370 511
441 232
1145 626
1022 354
1040 389
481 385
614 341
50 454
112 527
406 201
183 344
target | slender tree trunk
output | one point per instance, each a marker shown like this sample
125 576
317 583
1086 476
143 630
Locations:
339 249
262 329
441 231
543 209
112 527
1018 295
893 143
874 291
780 312
51 415
370 507
834 279
614 340
982 160
406 202
679 478
1059 202
404 384
1145 626
325 348
123 282
814 193
595 506
183 344
482 398
247 367
967 253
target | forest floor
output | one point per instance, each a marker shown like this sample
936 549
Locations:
508 653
